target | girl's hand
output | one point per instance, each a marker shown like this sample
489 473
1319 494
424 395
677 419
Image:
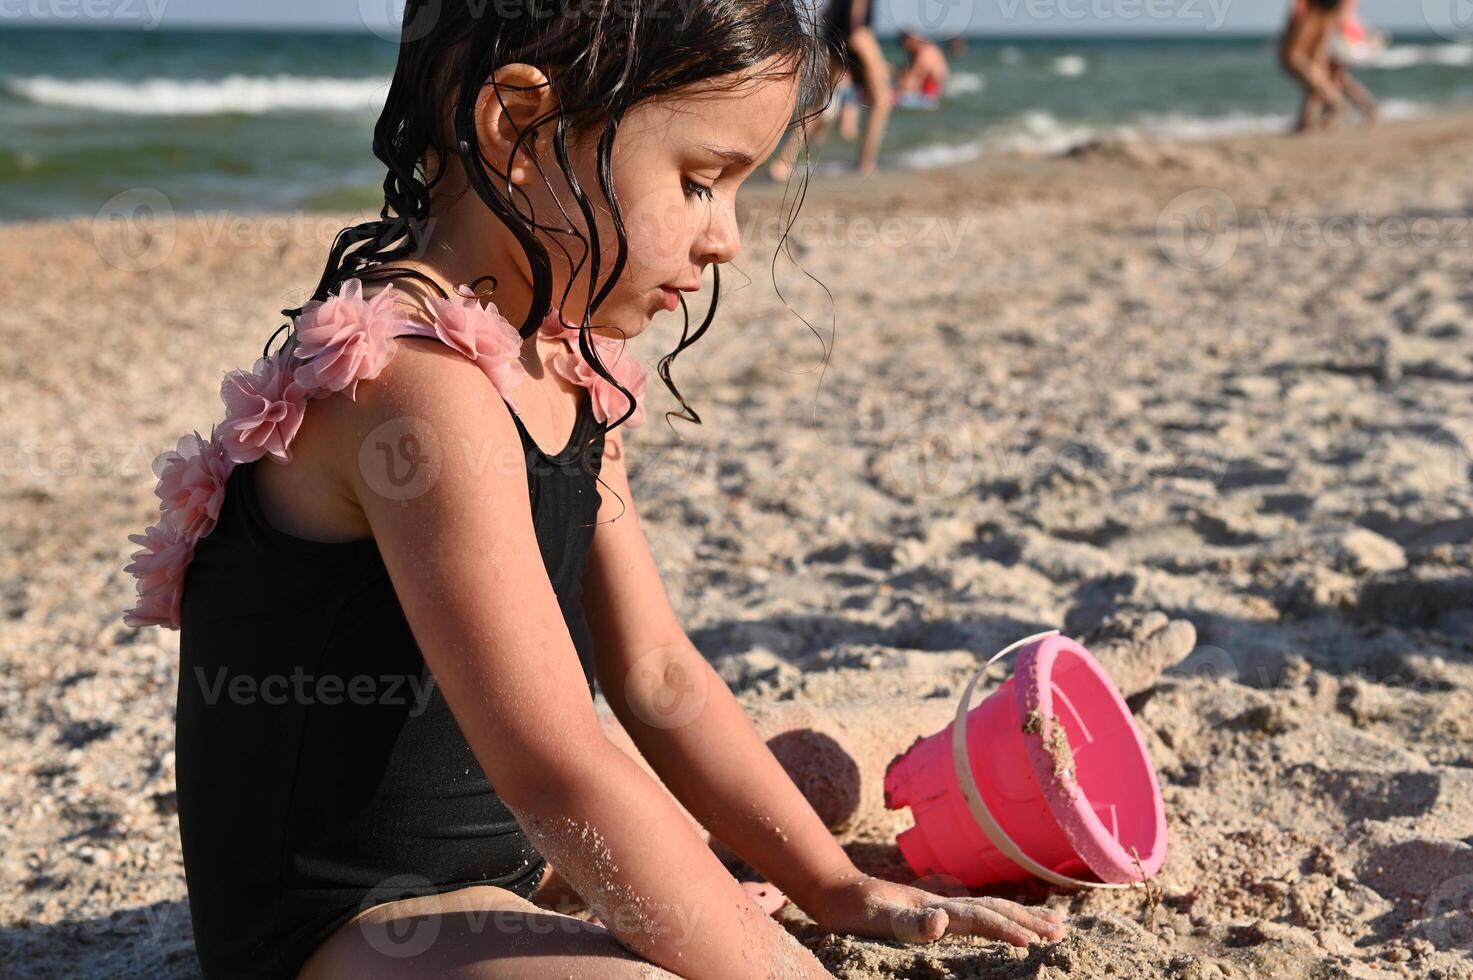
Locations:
869 906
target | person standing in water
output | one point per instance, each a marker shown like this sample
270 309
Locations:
926 72
848 32
1305 54
1349 38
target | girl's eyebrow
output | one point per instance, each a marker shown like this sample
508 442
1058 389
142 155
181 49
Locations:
728 154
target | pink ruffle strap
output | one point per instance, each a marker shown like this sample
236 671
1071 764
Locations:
341 341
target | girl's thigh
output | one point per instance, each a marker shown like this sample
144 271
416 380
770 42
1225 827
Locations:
480 932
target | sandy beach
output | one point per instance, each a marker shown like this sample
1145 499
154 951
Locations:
1217 397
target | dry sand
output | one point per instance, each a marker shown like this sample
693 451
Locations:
1064 412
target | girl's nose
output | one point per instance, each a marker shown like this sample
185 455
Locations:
723 239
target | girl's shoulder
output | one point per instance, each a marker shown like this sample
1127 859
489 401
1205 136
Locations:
336 344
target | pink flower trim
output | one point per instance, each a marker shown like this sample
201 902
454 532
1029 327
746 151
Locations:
263 410
192 484
485 336
609 403
159 567
345 339
340 341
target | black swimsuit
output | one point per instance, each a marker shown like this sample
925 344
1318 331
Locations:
319 768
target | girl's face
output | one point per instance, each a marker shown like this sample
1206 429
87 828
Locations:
677 164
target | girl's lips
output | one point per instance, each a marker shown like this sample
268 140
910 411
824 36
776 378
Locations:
671 297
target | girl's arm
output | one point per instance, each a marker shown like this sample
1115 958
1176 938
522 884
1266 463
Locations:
463 556
696 736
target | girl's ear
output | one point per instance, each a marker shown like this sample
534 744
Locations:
511 99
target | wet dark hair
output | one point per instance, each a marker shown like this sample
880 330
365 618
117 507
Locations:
603 57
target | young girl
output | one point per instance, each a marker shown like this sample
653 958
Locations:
404 557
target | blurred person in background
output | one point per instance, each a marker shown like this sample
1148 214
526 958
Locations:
924 75
848 31
1305 52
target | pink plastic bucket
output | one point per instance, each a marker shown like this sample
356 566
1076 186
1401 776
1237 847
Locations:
1048 776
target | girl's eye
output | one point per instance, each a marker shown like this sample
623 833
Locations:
698 189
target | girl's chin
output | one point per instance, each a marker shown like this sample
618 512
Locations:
625 329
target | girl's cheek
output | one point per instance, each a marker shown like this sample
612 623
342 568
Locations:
658 224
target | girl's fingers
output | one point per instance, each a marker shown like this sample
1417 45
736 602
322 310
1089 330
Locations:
923 924
979 920
1045 922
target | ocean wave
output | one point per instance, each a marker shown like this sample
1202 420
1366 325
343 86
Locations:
964 83
1070 65
1042 133
1037 131
935 155
203 97
1420 55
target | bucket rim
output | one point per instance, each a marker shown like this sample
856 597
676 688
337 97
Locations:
1100 849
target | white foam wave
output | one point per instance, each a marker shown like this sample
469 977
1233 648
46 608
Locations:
935 155
964 83
1419 55
201 97
1037 132
1070 66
